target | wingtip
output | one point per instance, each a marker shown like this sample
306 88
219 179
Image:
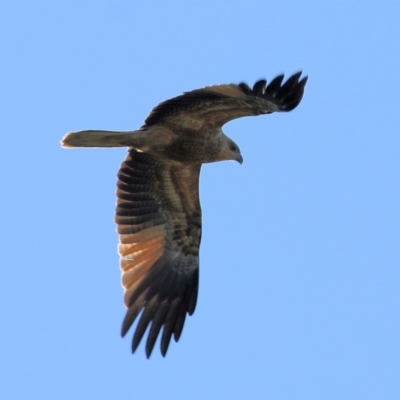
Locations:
291 92
124 331
164 351
148 353
286 95
303 81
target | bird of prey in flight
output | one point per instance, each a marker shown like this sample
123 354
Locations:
158 212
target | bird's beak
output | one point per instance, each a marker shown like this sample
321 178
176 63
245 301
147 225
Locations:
239 159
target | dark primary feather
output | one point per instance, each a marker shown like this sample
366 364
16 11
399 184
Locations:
259 88
219 104
286 96
159 226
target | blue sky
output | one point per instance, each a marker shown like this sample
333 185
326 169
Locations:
299 278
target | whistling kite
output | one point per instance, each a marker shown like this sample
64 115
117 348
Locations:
158 211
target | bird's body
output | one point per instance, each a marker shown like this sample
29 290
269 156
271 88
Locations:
158 210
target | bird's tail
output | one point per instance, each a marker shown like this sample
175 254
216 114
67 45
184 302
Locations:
99 139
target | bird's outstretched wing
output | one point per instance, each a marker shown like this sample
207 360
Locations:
215 105
159 222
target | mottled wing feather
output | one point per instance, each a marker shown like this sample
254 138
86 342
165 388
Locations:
159 223
218 104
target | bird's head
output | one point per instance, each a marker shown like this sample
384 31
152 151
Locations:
230 151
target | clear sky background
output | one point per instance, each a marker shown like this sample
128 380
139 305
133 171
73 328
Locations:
300 261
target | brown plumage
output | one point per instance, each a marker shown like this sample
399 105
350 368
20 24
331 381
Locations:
158 211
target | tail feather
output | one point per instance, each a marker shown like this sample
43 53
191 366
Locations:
92 138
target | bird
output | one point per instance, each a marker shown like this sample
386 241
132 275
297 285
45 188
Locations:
158 213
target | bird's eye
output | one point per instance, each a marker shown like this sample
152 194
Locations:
233 147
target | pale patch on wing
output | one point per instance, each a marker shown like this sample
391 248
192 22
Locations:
231 90
137 258
143 236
